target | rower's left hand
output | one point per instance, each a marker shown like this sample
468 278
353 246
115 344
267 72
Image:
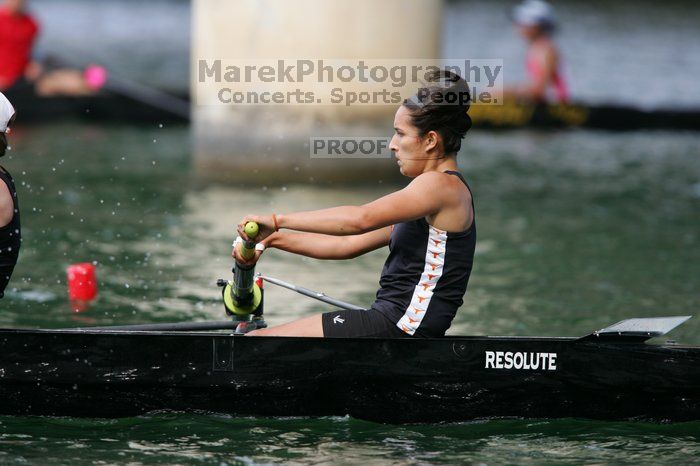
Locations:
236 254
265 226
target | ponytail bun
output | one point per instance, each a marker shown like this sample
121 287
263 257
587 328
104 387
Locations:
442 106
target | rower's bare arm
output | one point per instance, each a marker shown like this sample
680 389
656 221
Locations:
422 197
538 89
320 246
33 71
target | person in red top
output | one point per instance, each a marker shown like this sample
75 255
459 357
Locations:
18 31
18 71
536 22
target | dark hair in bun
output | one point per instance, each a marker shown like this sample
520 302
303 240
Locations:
442 106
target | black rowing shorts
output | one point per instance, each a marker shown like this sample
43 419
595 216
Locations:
370 323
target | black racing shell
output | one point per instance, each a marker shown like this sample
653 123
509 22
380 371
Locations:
10 236
425 276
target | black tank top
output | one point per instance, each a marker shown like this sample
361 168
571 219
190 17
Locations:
425 276
10 236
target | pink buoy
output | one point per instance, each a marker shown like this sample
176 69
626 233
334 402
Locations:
82 285
95 77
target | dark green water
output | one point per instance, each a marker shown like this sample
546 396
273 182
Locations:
185 439
576 230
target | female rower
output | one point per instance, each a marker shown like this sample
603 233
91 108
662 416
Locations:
428 226
10 237
536 23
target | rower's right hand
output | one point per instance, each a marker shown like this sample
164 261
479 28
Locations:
265 226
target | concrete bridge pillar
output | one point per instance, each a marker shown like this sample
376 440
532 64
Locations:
269 143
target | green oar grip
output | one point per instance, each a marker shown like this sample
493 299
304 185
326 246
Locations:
247 250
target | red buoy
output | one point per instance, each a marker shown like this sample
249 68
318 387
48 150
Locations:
82 285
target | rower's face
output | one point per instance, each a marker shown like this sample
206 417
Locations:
407 145
529 33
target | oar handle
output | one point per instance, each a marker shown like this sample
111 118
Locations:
247 250
242 298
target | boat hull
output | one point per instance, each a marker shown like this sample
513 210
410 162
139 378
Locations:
117 374
105 107
574 115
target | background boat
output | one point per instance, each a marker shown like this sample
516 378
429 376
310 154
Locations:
109 106
123 107
581 115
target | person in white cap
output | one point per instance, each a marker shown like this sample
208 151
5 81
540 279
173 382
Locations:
10 232
536 23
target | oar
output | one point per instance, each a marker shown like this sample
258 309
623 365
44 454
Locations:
136 91
314 294
148 95
173 327
224 324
